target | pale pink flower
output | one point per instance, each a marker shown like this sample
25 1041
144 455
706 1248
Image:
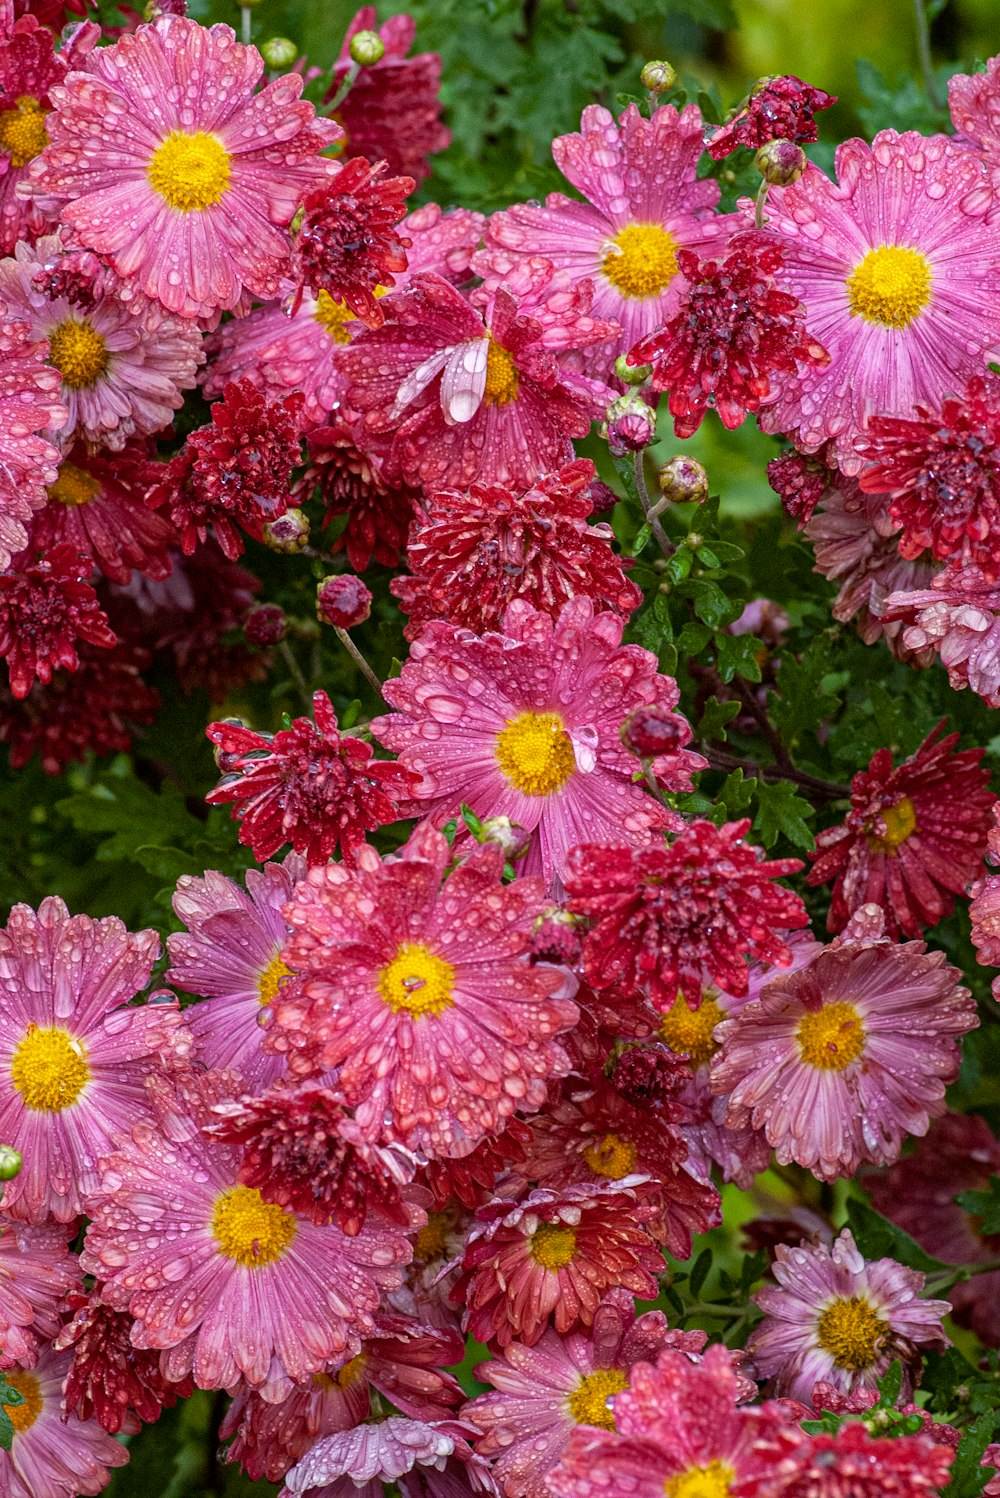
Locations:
368 1456
36 1271
958 618
50 1456
29 404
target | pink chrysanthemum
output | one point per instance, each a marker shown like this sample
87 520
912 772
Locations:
427 1002
36 1271
974 102
896 263
29 404
362 1460
50 1456
958 618
230 954
74 1050
662 917
353 483
309 786
839 1061
853 1464
838 1317
46 606
29 66
643 203
205 181
96 507
554 1255
472 553
109 1378
732 332
525 724
778 109
119 375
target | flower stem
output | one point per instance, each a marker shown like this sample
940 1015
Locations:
350 79
245 25
827 790
924 53
761 200
649 510
295 671
359 660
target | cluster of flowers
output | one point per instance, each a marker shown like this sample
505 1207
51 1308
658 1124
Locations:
479 1086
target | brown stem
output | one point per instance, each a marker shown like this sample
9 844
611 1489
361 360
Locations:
828 790
295 671
747 695
359 661
663 541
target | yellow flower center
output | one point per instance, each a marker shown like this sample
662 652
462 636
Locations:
713 1481
588 1403
641 260
502 379
22 130
900 821
552 1247
23 1416
688 1032
49 1069
73 486
190 170
418 981
333 317
890 287
352 1372
78 352
535 753
852 1332
832 1037
430 1241
611 1156
249 1229
271 979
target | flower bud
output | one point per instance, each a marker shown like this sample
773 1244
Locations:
265 624
781 162
683 481
512 838
289 533
366 48
555 937
651 731
279 52
649 1077
658 77
342 601
630 425
10 1162
632 374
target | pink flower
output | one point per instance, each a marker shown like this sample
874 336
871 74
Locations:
958 617
853 1464
895 263
36 1271
974 101
45 608
51 1457
778 109
423 994
164 160
29 66
74 1050
368 1456
96 507
525 724
109 1377
843 1319
29 404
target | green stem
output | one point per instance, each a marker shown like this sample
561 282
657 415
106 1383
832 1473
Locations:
761 199
924 54
350 79
649 510
295 671
359 660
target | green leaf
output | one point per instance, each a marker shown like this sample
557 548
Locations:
985 1205
694 637
12 1397
878 1238
890 1384
782 812
968 1475
710 602
642 539
680 565
712 727
131 816
737 655
699 1273
735 795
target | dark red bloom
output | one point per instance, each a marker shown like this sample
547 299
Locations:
800 481
109 1378
265 625
915 836
666 918
941 471
650 1077
853 1464
351 483
777 109
306 785
472 553
347 244
343 601
46 606
472 1179
96 506
732 332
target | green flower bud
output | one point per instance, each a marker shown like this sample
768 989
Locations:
10 1162
366 47
632 374
279 52
658 77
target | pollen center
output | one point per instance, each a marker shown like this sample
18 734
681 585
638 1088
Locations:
900 821
73 486
851 1332
832 1037
190 170
501 377
688 1032
23 1416
22 131
641 260
418 981
890 287
535 753
552 1247
78 352
713 1481
271 980
249 1229
611 1156
333 317
49 1069
430 1241
588 1403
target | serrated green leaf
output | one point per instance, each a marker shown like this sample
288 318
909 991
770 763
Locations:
984 1205
735 795
699 1272
782 812
693 638
714 718
737 655
711 603
878 1238
968 1475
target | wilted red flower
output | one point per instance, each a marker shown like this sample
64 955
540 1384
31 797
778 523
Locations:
305 785
800 481
915 836
351 483
663 917
109 1378
46 606
732 332
777 109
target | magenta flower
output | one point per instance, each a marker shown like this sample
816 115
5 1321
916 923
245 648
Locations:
96 507
853 1464
36 1271
29 404
957 617
29 66
974 102
50 1456
778 109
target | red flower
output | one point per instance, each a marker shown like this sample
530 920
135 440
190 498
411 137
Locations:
915 837
96 506
853 1464
306 786
777 109
109 1377
351 483
663 917
800 482
472 553
348 245
732 332
941 471
471 1180
45 608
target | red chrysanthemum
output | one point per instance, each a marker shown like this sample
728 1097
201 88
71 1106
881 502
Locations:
732 332
777 109
29 66
351 483
472 553
665 916
941 471
472 1179
109 1378
347 244
46 606
96 506
799 481
853 1464
306 785
915 836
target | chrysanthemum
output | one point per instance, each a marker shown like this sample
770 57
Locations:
362 1460
957 617
46 606
838 1317
896 263
553 1255
51 1457
525 724
187 187
119 375
423 995
642 203
974 102
471 553
662 917
74 1050
36 1271
29 404
353 482
109 1378
29 66
853 1464
799 480
839 1061
306 785
96 507
230 954
778 109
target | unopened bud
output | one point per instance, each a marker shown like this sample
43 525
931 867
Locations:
265 625
342 601
649 1077
10 1162
279 52
632 374
630 425
512 838
658 77
555 937
651 731
289 533
683 481
366 48
781 162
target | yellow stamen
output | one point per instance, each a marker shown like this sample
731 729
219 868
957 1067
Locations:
23 1416
832 1037
190 170
852 1332
688 1032
78 352
900 822
535 753
612 1157
713 1481
249 1229
588 1403
502 380
641 260
891 286
418 981
73 486
22 130
271 980
333 317
552 1247
430 1241
49 1069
